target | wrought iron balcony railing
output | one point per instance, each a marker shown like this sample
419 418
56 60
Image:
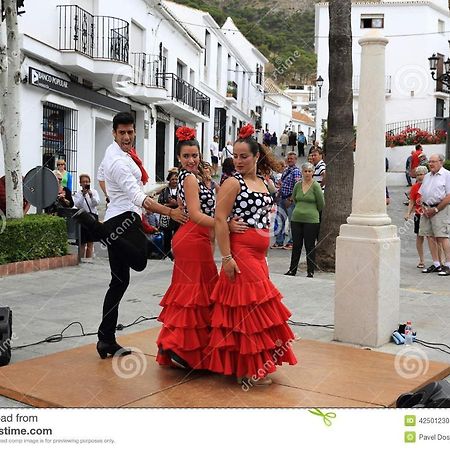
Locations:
184 92
148 70
99 37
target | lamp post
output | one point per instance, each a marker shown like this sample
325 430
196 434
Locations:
443 78
319 84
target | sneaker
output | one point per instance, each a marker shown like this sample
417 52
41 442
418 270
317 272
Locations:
432 269
277 246
445 271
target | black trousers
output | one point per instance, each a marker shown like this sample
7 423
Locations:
168 235
301 149
127 248
304 233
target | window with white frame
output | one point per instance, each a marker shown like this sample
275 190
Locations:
372 20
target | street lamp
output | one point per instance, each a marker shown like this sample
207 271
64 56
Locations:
443 78
319 84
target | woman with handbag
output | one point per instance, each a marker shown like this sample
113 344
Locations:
87 199
168 197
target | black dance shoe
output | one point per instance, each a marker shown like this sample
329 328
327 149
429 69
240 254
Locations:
310 275
104 349
290 273
177 361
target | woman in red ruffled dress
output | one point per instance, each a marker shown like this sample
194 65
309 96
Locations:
249 335
186 314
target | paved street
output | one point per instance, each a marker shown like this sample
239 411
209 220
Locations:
44 303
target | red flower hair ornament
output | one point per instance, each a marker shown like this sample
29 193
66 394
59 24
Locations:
246 131
185 134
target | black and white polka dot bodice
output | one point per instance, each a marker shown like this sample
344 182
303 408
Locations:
206 196
252 207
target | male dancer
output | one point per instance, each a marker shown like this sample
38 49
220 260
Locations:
122 229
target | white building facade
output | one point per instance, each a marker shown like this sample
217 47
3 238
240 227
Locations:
416 30
86 60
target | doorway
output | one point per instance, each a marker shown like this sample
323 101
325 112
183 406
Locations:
160 150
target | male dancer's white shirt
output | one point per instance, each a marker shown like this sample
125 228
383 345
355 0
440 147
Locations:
123 178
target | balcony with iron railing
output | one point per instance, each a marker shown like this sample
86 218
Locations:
100 39
189 103
387 85
148 83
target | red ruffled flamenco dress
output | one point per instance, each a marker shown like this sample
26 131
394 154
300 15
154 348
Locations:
186 314
249 335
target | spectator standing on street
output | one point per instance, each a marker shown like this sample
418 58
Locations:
227 152
408 169
309 202
415 161
87 198
292 140
63 199
274 141
214 151
435 192
319 166
415 205
301 142
168 197
66 176
284 141
227 169
291 174
267 138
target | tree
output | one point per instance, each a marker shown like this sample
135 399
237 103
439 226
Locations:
340 138
10 123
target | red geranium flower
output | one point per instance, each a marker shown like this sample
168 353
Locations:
185 134
246 131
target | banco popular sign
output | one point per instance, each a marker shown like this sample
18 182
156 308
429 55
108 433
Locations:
47 81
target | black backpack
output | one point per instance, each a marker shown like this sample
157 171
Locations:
433 395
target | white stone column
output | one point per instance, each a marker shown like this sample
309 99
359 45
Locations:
368 249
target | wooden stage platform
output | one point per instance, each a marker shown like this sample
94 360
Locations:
327 375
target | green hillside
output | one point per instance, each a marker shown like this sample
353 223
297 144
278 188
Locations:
282 30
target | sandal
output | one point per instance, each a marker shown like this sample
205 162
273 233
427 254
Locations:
421 266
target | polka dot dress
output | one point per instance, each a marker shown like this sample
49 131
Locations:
252 207
206 196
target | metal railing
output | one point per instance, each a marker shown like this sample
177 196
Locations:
99 37
397 127
232 90
148 70
387 84
184 92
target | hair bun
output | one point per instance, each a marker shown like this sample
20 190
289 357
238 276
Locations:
246 131
185 134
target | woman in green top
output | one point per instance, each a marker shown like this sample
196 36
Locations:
308 199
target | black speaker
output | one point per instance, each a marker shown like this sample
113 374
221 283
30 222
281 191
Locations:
5 335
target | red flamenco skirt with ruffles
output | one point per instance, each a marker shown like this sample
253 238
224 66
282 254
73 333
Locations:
249 335
186 314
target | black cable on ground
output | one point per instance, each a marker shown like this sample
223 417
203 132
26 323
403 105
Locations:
60 336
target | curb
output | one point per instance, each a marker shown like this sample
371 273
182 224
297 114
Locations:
36 265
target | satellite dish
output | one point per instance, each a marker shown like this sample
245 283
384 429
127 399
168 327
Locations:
40 187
